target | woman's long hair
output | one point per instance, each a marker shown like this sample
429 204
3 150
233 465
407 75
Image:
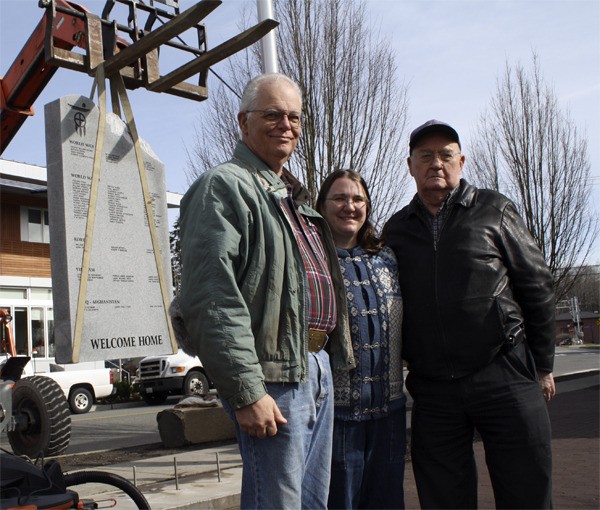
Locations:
367 237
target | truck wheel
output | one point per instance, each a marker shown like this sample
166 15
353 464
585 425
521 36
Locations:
81 400
154 399
43 419
195 383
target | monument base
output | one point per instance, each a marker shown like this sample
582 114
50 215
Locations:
194 425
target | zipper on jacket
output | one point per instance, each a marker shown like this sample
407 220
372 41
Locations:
436 285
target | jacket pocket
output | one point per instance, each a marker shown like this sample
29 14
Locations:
511 318
521 360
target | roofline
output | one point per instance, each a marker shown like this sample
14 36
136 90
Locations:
36 174
23 171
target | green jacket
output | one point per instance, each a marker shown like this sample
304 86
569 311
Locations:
244 286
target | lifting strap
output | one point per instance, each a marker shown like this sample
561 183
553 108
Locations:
117 85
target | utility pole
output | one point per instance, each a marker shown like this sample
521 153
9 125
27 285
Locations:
268 44
574 310
571 306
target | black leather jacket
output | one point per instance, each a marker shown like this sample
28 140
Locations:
484 287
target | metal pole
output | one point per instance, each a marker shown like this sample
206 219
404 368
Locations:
218 467
176 474
268 44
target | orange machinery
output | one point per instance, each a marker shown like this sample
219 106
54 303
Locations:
70 36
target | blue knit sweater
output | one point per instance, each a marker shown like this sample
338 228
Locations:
375 386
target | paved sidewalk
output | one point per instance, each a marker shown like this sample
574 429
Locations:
575 422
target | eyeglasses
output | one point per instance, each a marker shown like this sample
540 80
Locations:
428 156
274 117
341 201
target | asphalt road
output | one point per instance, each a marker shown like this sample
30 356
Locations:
575 359
122 427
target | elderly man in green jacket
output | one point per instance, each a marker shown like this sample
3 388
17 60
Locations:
262 299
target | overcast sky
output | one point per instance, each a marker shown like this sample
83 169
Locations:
450 52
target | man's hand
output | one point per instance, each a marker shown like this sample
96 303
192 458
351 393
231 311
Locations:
261 418
547 384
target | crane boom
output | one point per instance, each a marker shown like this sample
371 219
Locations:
29 73
130 49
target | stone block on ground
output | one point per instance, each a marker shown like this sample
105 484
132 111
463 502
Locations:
194 425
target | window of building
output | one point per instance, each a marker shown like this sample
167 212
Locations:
33 319
50 328
35 225
38 344
41 293
5 331
20 330
12 293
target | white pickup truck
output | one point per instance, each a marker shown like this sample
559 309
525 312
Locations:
175 374
81 387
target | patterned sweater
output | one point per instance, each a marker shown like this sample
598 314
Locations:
375 386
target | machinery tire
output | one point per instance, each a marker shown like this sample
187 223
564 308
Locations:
154 399
195 383
81 400
43 418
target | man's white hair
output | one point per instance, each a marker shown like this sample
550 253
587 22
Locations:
251 89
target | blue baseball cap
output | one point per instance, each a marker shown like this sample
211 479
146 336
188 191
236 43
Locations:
432 126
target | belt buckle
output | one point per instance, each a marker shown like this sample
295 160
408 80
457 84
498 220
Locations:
316 339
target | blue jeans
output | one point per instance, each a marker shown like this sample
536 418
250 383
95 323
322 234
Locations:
368 462
291 470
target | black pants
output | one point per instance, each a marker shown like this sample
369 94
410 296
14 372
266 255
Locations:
504 402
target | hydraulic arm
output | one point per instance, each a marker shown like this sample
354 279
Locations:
70 36
29 73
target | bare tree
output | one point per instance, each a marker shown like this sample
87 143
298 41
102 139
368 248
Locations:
527 147
175 249
355 109
217 131
586 288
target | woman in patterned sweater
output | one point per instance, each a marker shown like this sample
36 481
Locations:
369 442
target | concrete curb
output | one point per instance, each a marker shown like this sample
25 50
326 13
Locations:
577 375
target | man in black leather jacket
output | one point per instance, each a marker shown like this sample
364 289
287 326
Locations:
479 332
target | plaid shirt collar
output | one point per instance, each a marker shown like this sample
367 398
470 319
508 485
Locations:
436 221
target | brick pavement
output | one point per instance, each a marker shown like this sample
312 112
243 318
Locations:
576 455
